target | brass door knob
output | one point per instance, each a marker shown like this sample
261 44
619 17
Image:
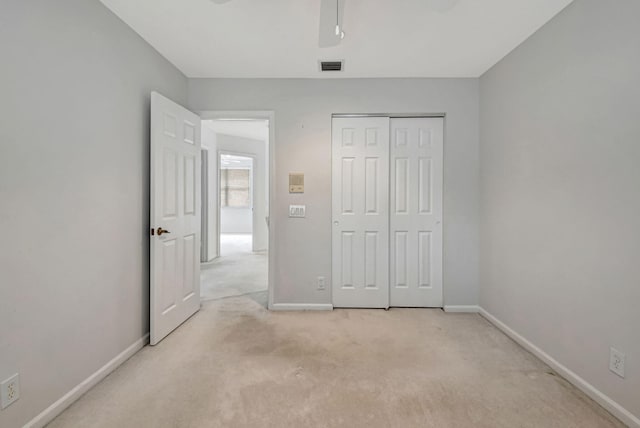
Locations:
161 231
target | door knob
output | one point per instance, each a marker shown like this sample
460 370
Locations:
161 231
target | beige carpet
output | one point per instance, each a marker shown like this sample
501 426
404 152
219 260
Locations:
237 271
236 365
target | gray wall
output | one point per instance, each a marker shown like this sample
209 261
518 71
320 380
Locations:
560 177
303 109
74 164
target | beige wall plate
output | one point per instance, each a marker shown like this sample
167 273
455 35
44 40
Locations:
296 182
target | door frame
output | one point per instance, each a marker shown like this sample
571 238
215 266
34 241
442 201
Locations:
444 181
252 193
270 116
204 212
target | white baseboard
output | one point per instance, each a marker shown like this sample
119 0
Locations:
462 309
599 397
301 307
48 414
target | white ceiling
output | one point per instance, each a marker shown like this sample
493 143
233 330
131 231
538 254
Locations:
254 129
384 38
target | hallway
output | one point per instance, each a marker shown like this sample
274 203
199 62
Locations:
238 271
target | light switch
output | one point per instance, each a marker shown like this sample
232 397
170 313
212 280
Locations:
297 210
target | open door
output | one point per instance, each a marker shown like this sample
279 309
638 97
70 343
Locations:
175 216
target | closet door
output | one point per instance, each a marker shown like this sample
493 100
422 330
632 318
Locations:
360 211
416 212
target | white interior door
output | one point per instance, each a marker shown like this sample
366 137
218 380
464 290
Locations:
416 212
360 205
175 216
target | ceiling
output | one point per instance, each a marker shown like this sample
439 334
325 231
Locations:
384 38
254 129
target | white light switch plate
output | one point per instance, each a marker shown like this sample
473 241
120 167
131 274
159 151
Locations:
297 211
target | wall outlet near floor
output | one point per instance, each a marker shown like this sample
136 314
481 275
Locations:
322 283
616 362
10 390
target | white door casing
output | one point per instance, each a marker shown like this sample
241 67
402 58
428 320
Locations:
204 205
175 207
416 187
360 212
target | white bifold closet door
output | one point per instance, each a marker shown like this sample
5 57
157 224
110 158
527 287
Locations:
360 204
416 186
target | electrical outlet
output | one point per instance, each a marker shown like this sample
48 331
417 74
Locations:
10 390
322 283
616 362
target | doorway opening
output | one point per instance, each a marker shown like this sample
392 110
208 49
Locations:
235 207
236 204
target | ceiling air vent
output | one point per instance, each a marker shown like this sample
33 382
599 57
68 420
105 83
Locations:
331 65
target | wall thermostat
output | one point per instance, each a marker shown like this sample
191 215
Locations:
296 182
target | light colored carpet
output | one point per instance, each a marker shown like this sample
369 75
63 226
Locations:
237 271
234 364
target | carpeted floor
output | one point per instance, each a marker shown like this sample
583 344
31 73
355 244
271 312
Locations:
237 271
234 364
